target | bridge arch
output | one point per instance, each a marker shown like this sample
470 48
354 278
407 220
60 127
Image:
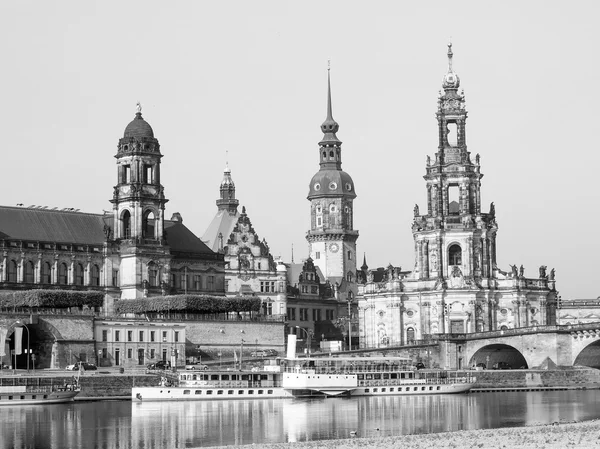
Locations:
589 355
41 337
491 354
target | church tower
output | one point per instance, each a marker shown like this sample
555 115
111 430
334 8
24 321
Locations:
332 238
138 209
455 242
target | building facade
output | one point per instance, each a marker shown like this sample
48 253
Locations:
249 265
456 285
132 252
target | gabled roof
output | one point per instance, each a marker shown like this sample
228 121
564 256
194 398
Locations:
181 239
223 223
24 223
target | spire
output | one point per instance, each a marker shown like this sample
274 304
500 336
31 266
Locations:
292 253
451 80
364 267
329 126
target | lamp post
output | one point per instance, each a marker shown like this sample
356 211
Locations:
241 353
27 329
349 320
307 340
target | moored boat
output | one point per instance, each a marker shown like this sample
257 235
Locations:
35 395
323 376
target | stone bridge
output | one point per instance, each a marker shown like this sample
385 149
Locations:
532 347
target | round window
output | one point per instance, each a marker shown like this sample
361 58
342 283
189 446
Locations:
503 311
332 208
317 186
332 186
410 313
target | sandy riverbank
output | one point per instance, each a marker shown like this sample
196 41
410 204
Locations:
565 435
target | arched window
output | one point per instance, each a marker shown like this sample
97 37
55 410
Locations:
95 276
78 274
148 225
46 273
152 274
503 328
29 274
349 277
12 271
455 255
62 274
126 224
410 334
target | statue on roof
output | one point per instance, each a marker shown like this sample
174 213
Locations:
552 274
139 107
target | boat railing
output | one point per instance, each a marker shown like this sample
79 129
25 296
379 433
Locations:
429 381
345 369
230 384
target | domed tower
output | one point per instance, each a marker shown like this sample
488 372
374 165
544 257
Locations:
227 200
138 206
332 238
454 240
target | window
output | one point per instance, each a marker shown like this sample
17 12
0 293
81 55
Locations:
164 336
46 273
152 335
29 276
319 221
117 335
141 336
198 282
210 283
267 286
125 174
291 313
62 274
329 315
152 353
129 336
148 174
115 278
126 219
104 335
303 314
317 255
152 274
95 275
176 335
349 277
349 255
454 255
104 353
78 274
410 334
130 353
12 271
148 223
316 314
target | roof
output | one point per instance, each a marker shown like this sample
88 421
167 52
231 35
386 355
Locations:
25 223
138 127
181 239
223 223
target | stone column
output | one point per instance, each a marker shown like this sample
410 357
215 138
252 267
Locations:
484 247
426 259
420 258
429 206
441 258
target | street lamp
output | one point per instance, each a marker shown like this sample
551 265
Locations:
241 352
27 329
307 340
349 320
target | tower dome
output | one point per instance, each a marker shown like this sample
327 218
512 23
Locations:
138 127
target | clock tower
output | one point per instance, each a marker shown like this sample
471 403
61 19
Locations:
332 238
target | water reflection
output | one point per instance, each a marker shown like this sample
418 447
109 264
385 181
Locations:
126 425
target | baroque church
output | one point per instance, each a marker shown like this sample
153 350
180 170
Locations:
456 285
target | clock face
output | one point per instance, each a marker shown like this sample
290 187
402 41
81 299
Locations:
334 247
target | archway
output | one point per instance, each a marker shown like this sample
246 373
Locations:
492 354
39 338
589 356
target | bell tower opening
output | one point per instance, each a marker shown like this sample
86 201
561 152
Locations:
452 134
453 200
148 225
126 219
455 255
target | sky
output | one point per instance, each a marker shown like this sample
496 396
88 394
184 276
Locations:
245 83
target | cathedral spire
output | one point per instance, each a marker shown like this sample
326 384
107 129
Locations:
329 126
451 80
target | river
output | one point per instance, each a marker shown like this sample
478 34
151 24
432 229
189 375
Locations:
123 424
